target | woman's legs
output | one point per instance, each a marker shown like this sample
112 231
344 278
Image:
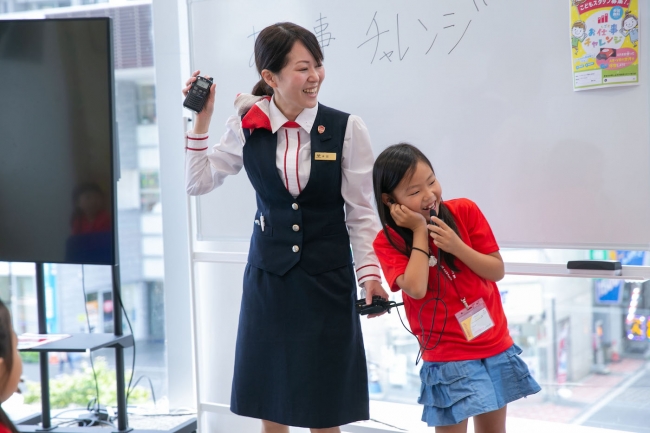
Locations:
272 427
491 422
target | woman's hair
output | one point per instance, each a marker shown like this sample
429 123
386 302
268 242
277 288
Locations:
629 15
272 48
7 351
395 163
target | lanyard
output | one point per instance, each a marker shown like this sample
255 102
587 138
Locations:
452 278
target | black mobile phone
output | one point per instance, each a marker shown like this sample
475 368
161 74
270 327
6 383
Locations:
198 94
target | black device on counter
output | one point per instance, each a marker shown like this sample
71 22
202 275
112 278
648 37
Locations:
378 305
198 94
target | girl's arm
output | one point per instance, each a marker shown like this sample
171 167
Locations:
414 281
488 266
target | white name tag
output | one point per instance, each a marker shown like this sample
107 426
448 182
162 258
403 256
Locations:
474 320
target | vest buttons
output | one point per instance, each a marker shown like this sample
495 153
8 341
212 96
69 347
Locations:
295 248
295 227
294 206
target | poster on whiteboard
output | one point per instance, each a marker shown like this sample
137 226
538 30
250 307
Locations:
604 43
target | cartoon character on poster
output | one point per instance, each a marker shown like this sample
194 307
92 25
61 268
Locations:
578 34
631 28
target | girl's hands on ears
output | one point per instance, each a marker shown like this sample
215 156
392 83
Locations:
444 237
202 119
405 217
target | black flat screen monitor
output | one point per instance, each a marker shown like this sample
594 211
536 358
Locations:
57 176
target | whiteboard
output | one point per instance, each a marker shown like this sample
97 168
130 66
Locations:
483 87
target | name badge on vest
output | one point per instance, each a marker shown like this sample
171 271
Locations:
325 156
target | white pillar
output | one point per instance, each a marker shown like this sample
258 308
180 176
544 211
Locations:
171 55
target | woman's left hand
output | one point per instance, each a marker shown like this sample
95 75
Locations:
374 288
444 237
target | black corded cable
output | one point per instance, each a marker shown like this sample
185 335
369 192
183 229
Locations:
438 299
153 394
66 411
128 388
90 353
386 424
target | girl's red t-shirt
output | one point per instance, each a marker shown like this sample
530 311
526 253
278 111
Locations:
475 231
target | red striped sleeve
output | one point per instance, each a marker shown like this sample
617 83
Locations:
367 266
370 275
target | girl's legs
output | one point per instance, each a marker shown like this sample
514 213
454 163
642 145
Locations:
491 422
326 430
272 427
461 427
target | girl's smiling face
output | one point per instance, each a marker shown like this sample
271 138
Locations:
420 192
296 86
630 23
578 32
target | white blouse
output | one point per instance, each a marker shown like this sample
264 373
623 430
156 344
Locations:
206 171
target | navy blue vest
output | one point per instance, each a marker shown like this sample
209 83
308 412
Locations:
310 229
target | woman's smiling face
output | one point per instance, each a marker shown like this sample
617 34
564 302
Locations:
296 86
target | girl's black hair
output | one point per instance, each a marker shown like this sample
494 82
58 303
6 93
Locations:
272 48
395 163
7 351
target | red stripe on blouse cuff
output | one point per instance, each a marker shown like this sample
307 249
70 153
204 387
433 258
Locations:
202 138
366 267
191 148
370 275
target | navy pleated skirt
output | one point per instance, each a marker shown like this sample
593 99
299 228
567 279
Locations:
300 359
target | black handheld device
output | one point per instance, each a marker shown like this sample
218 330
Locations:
432 213
198 94
378 305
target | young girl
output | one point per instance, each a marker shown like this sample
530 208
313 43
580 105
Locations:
299 358
11 365
446 267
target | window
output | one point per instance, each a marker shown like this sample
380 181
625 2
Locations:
584 340
76 295
146 104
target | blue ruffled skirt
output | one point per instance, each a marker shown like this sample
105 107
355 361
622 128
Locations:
454 391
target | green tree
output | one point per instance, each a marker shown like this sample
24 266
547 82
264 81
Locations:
77 389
